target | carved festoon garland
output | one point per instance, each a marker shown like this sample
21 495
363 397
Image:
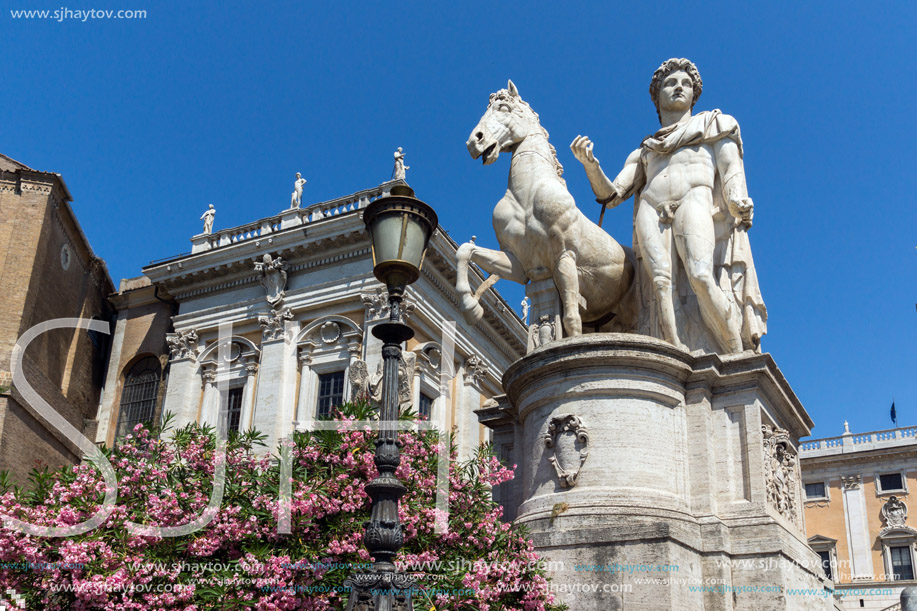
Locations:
273 276
781 472
566 461
183 344
272 324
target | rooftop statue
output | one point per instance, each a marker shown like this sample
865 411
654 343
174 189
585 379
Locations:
541 232
400 170
207 217
691 217
296 197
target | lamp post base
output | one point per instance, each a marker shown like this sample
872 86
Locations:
380 591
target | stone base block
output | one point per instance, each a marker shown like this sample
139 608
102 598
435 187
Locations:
655 479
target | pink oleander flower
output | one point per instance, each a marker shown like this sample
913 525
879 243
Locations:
239 559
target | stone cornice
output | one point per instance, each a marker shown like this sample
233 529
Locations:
729 372
843 461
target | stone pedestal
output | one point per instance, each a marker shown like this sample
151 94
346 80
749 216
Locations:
290 218
654 479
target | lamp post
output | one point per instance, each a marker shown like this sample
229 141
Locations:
400 227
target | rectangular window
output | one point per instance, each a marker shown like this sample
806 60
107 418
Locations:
902 567
815 491
234 409
826 563
890 482
426 406
330 392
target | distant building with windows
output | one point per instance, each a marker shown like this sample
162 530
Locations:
856 491
47 270
297 298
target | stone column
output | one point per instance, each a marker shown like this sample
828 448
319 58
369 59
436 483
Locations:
270 396
415 385
305 387
210 406
468 402
248 396
183 391
106 401
860 541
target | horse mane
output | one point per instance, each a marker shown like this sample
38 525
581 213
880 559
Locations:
505 96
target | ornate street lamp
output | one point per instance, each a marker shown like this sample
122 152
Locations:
400 227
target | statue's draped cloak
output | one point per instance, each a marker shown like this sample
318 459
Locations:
733 253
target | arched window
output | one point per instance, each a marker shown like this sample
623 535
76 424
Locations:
138 397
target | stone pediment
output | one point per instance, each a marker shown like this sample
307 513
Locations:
895 532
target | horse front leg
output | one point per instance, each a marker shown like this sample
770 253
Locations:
498 263
566 278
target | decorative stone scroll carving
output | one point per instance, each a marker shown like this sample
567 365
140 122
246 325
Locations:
851 482
781 472
273 276
567 442
376 305
183 344
272 324
894 512
475 370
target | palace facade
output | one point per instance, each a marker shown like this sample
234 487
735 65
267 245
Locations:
296 298
856 489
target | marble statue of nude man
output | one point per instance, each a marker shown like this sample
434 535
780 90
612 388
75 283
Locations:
296 197
680 176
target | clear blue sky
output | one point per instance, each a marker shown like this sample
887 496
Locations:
151 120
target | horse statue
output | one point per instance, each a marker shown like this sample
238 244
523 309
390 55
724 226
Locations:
542 234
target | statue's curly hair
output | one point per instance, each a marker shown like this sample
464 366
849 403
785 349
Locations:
668 67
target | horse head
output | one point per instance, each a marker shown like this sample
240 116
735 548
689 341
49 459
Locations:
506 122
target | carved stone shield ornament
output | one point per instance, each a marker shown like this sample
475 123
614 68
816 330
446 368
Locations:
567 441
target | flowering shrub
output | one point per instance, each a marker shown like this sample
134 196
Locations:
240 560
